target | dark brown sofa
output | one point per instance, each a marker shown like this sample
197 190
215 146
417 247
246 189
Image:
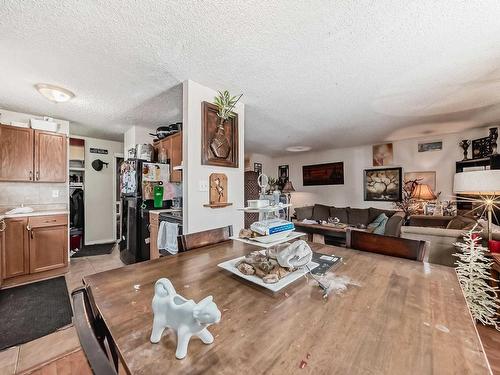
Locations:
352 216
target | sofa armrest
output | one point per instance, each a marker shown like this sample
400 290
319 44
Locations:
431 231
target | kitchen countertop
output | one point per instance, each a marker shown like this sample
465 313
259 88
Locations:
3 215
163 210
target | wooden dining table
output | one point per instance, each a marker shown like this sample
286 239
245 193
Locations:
396 317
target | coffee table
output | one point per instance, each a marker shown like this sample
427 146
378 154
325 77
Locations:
317 233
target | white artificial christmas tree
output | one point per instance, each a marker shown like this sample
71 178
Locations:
473 270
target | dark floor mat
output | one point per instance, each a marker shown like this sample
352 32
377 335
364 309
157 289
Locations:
91 250
31 311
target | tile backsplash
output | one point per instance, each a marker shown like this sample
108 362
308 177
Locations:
16 193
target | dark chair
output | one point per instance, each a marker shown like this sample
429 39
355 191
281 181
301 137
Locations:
386 245
196 240
93 335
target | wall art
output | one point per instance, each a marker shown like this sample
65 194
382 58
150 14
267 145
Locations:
428 178
384 184
382 155
430 146
219 140
323 174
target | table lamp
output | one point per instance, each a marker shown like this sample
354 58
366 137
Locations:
485 184
287 189
423 192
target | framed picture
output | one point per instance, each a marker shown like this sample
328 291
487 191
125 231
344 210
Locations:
430 146
428 178
257 167
382 154
282 176
323 174
383 185
219 146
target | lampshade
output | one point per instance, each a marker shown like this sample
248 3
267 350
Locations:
423 192
485 182
288 188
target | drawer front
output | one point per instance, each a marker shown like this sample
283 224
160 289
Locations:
47 221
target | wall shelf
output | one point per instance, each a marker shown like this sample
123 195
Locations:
217 205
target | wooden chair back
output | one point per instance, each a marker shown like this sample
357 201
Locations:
92 333
386 245
196 240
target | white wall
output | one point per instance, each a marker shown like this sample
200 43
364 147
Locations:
99 191
356 159
197 217
268 167
37 195
136 135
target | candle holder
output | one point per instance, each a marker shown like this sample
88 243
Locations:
465 145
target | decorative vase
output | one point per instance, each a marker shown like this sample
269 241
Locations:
465 145
493 139
219 144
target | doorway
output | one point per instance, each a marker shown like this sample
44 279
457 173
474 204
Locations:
117 205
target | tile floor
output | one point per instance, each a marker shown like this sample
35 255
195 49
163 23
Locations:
30 356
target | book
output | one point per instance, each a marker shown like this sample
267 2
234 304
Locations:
325 261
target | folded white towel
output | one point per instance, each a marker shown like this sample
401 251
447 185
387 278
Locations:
167 236
172 233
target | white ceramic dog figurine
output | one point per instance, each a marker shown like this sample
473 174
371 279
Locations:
184 316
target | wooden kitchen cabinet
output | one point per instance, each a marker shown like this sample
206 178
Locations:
48 247
16 154
175 156
50 157
173 146
15 251
154 223
32 155
33 248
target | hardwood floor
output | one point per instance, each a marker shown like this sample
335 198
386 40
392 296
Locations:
44 352
490 338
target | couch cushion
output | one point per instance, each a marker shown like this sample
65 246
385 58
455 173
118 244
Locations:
321 212
375 212
304 212
460 222
357 216
340 213
378 225
393 225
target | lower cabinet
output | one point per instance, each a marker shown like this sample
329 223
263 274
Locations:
32 245
48 248
15 259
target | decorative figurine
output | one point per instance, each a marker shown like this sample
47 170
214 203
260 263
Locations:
184 316
493 138
465 145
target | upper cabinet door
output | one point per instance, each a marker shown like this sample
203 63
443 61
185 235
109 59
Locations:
50 157
175 154
16 154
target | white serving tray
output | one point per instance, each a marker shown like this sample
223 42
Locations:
229 265
291 236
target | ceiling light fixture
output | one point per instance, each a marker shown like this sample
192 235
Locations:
298 148
53 93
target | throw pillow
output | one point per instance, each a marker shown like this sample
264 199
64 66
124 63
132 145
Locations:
340 213
358 216
375 212
378 224
321 212
304 212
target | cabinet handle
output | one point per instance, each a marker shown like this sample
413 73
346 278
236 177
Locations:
31 175
37 175
3 225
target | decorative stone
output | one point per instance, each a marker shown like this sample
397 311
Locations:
184 316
